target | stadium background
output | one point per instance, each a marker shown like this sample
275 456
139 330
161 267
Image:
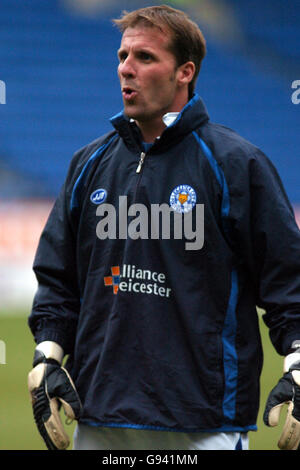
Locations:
58 64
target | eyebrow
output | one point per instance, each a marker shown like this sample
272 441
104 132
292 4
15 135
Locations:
121 51
141 49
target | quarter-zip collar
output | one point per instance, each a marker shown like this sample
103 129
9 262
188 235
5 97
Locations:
193 115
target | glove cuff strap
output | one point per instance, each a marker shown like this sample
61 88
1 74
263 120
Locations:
48 350
290 360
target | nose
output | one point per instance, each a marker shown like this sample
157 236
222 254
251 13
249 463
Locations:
126 68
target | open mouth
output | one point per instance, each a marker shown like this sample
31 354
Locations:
128 93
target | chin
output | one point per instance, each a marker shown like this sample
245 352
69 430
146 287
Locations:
135 112
130 112
135 116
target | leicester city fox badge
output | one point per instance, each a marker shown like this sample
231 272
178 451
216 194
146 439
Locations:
183 198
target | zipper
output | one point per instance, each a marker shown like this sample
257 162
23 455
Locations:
140 164
138 170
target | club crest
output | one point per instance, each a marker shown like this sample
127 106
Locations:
183 198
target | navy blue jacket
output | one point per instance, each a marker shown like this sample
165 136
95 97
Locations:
158 336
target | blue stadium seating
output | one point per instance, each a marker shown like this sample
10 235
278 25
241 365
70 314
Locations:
62 87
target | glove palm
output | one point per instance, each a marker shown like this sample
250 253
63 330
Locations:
287 391
50 386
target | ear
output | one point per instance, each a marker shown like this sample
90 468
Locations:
185 73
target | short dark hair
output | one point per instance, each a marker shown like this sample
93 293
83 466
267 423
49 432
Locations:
188 42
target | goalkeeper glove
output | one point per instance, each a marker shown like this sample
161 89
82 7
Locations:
287 391
50 386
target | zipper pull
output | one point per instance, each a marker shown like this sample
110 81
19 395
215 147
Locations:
142 158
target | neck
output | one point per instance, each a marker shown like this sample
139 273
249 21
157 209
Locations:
151 130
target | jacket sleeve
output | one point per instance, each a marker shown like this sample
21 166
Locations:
268 239
56 303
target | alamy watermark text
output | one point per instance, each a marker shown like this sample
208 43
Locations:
135 221
2 352
296 94
2 92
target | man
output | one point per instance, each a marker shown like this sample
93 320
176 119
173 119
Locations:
167 234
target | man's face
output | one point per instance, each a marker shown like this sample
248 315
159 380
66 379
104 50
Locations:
147 73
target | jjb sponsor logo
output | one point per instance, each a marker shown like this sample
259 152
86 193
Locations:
98 196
